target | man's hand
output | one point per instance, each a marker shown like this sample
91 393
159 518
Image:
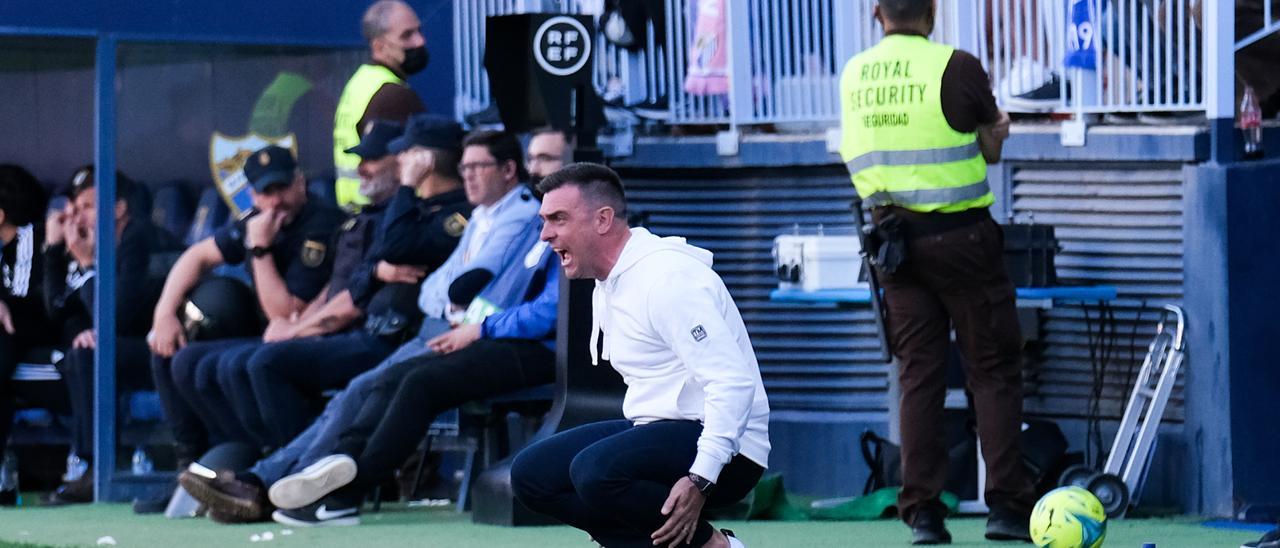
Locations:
80 244
279 330
399 274
1000 129
54 226
261 229
86 339
456 339
415 164
682 509
166 335
6 318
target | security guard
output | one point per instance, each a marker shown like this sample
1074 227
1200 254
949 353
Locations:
920 125
377 91
284 245
69 297
390 246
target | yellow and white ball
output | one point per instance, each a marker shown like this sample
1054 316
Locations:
1068 517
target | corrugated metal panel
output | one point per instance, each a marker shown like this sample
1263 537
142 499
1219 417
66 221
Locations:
1119 225
812 358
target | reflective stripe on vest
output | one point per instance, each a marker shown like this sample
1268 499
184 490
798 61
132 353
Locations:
913 157
896 141
355 98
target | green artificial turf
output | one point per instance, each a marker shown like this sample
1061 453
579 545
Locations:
398 525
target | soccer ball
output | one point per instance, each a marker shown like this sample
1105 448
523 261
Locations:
1068 517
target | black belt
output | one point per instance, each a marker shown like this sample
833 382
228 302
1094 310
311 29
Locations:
916 224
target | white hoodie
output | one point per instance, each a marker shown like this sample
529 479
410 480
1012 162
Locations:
672 331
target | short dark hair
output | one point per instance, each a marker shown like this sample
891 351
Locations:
570 140
445 162
22 198
598 183
501 145
906 10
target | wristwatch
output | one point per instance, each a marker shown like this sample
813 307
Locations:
704 485
259 251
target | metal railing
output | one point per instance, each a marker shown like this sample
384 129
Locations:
1270 24
785 56
1149 55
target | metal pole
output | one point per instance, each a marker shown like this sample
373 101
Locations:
741 105
1220 77
104 417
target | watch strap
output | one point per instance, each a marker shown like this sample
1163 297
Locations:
704 485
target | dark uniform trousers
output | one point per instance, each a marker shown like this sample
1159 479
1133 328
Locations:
77 369
956 278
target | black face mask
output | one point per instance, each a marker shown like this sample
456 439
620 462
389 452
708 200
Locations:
415 59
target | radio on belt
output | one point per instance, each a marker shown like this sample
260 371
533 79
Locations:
816 262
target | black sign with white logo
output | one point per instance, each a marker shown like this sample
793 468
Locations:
562 46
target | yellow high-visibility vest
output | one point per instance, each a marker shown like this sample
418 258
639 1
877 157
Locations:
896 141
367 80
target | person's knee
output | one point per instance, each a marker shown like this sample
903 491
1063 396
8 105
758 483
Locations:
528 472
595 480
184 372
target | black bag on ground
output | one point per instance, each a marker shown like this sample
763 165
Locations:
1044 452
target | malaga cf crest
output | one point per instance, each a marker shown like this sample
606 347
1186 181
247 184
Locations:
227 156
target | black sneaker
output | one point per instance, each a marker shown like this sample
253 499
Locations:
927 527
1005 524
326 513
1269 540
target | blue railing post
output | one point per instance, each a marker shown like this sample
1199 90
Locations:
104 422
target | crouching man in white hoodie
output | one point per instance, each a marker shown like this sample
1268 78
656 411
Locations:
696 428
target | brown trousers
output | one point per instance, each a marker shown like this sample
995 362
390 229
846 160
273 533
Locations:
957 278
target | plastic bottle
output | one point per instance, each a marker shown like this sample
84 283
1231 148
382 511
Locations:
141 462
1251 124
76 467
9 493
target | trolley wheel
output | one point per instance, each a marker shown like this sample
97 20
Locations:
1076 475
1111 492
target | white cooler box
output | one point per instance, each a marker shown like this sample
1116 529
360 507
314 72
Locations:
814 262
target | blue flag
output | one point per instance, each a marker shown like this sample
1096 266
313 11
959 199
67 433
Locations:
1080 37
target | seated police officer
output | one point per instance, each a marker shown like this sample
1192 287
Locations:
283 244
217 384
505 211
69 296
382 254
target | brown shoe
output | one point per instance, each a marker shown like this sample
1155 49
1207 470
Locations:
225 495
79 491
